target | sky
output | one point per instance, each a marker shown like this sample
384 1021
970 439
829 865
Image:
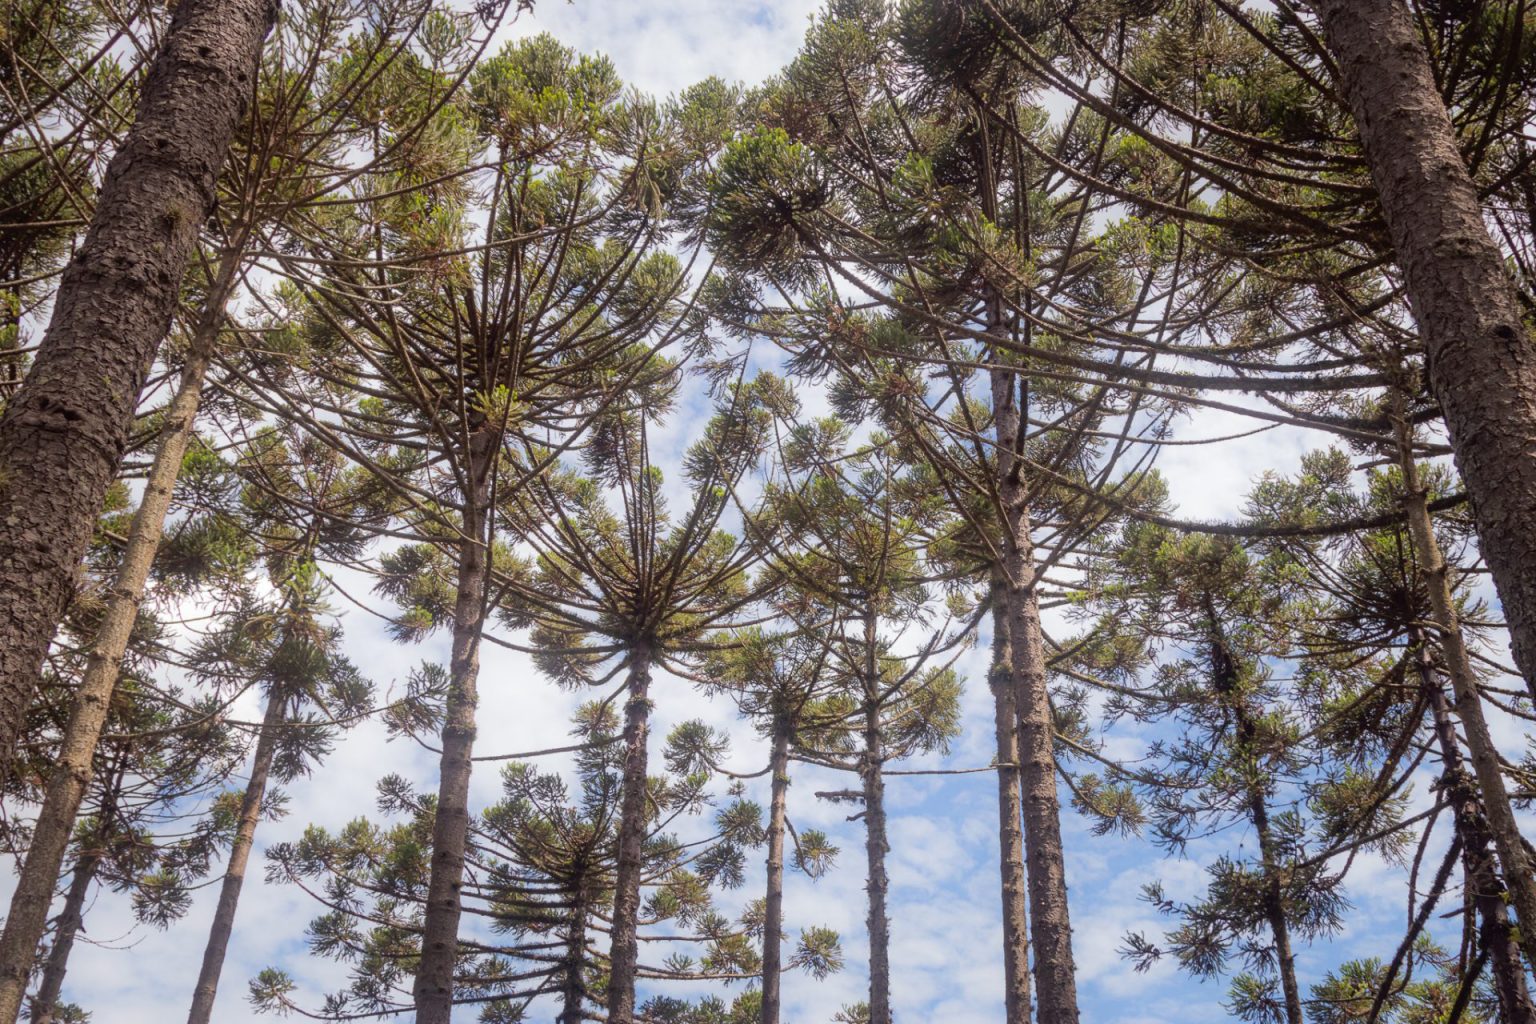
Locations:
946 936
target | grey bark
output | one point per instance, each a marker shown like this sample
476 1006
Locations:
63 434
876 844
1010 830
27 918
624 956
773 914
1050 925
450 824
1481 361
573 989
207 989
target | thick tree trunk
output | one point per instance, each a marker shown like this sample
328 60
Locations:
45 1003
876 845
773 914
450 824
1481 875
1050 925
633 815
27 919
1513 856
239 858
63 435
1481 360
1010 831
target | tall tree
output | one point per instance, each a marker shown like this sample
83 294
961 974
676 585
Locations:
63 434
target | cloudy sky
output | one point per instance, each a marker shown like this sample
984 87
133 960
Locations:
946 936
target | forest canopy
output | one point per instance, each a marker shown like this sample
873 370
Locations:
896 510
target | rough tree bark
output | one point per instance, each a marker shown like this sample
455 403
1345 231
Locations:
773 914
27 918
624 956
1050 925
1010 831
1481 874
239 859
450 824
1481 360
63 434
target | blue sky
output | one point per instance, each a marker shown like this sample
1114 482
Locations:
946 935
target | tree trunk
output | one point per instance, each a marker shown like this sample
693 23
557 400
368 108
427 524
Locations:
63 435
27 919
46 1002
239 856
1224 678
773 914
876 845
573 990
1050 926
1010 833
450 824
1469 703
1481 360
624 957
1274 904
1481 876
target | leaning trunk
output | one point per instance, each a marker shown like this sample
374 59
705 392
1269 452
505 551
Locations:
1481 360
45 1003
63 435
450 822
239 856
625 953
876 846
1483 885
773 913
28 916
1010 832
1049 920
1512 851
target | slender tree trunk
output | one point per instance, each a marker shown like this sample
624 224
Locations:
773 915
1507 840
1482 878
633 815
45 1003
1010 831
574 988
450 824
1224 677
876 844
1274 906
27 919
1481 360
63 434
1050 925
239 857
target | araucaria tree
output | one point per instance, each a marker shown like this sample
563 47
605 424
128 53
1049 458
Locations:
1056 450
